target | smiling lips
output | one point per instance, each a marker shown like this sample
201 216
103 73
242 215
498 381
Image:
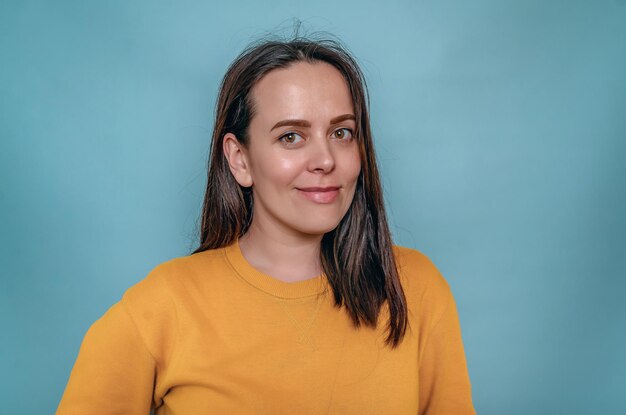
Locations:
320 194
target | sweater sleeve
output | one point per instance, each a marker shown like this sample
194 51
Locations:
444 381
114 372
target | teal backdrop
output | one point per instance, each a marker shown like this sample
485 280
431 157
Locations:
500 129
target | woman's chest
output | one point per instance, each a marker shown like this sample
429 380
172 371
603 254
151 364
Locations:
287 358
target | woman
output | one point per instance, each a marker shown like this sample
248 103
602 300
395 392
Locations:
296 301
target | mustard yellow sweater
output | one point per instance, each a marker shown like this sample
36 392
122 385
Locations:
210 334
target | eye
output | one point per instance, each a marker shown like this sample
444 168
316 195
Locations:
290 138
344 133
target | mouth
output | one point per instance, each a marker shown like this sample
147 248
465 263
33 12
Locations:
319 189
321 195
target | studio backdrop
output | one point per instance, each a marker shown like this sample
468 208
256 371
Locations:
499 128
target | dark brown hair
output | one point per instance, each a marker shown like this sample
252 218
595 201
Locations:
357 255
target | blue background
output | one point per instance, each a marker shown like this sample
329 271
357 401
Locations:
499 126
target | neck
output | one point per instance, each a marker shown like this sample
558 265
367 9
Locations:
286 256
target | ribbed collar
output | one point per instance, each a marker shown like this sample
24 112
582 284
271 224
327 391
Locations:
271 285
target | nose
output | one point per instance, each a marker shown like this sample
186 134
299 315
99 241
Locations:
321 157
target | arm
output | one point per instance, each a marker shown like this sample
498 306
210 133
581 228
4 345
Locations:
444 381
114 372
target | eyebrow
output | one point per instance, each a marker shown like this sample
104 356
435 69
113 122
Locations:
304 123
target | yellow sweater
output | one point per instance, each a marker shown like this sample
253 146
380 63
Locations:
210 334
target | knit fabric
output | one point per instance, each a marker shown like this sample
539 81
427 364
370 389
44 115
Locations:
208 333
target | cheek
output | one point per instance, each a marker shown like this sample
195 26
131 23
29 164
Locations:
353 166
277 169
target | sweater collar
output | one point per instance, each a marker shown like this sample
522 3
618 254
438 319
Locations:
269 284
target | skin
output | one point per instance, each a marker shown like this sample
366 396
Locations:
287 228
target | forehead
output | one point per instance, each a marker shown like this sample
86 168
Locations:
302 90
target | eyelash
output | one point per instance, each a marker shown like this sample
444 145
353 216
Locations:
294 133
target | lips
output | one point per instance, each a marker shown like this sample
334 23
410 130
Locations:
320 194
319 189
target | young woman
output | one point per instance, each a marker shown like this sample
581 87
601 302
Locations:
296 300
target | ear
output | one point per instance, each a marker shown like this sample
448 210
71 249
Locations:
237 159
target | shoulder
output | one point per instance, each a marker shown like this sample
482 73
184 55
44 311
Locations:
169 277
418 274
154 303
427 292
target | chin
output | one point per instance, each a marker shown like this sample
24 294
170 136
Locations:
318 228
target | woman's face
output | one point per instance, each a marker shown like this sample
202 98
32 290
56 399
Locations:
302 159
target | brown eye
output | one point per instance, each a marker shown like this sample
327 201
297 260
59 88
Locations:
343 133
290 138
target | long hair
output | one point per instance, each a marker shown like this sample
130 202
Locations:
356 256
